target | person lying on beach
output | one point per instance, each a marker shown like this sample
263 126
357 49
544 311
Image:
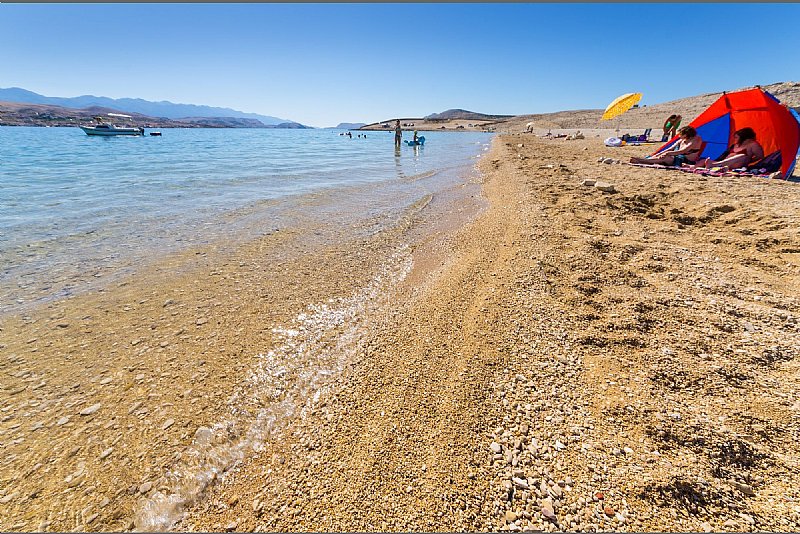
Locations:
744 151
686 151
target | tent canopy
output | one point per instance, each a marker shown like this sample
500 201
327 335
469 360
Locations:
777 127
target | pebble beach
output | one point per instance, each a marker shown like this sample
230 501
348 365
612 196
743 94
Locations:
521 352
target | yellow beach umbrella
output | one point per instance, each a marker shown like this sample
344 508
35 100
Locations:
621 104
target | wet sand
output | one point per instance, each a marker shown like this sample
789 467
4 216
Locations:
569 359
105 394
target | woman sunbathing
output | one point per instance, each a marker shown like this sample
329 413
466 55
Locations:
744 151
686 151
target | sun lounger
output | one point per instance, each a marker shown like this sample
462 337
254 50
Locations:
644 138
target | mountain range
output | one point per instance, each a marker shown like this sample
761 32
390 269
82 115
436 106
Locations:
463 114
350 125
23 114
163 109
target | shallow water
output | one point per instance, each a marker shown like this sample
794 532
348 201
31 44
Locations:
77 211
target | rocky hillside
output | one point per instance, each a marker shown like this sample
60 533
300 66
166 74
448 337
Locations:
651 116
645 117
235 122
22 114
349 125
164 108
463 114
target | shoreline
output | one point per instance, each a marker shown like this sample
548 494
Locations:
568 359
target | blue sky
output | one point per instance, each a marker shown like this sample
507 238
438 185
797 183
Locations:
321 64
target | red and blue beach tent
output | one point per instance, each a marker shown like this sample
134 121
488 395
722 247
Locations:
777 127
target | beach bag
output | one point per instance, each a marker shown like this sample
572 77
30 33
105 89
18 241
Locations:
613 141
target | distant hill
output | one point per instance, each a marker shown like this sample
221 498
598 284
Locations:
350 125
649 116
291 126
640 118
165 109
22 114
221 122
463 114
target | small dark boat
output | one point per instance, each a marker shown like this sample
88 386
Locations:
155 134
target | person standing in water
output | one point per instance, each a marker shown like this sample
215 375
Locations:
398 134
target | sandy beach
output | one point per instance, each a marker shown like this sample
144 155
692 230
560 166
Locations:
522 353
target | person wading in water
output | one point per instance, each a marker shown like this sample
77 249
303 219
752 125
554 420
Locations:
398 134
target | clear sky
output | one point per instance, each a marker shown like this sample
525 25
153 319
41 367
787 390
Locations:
321 64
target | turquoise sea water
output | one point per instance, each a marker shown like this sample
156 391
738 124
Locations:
75 209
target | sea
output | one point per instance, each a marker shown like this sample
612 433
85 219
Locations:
78 211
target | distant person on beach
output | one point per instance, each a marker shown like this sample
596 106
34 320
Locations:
686 151
744 151
671 127
668 127
398 134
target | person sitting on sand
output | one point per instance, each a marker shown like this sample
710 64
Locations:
744 151
686 151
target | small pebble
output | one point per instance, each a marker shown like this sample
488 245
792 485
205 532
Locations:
605 187
548 513
258 506
91 409
10 497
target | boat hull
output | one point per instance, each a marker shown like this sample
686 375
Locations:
90 130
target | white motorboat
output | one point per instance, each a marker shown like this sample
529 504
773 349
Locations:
105 128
